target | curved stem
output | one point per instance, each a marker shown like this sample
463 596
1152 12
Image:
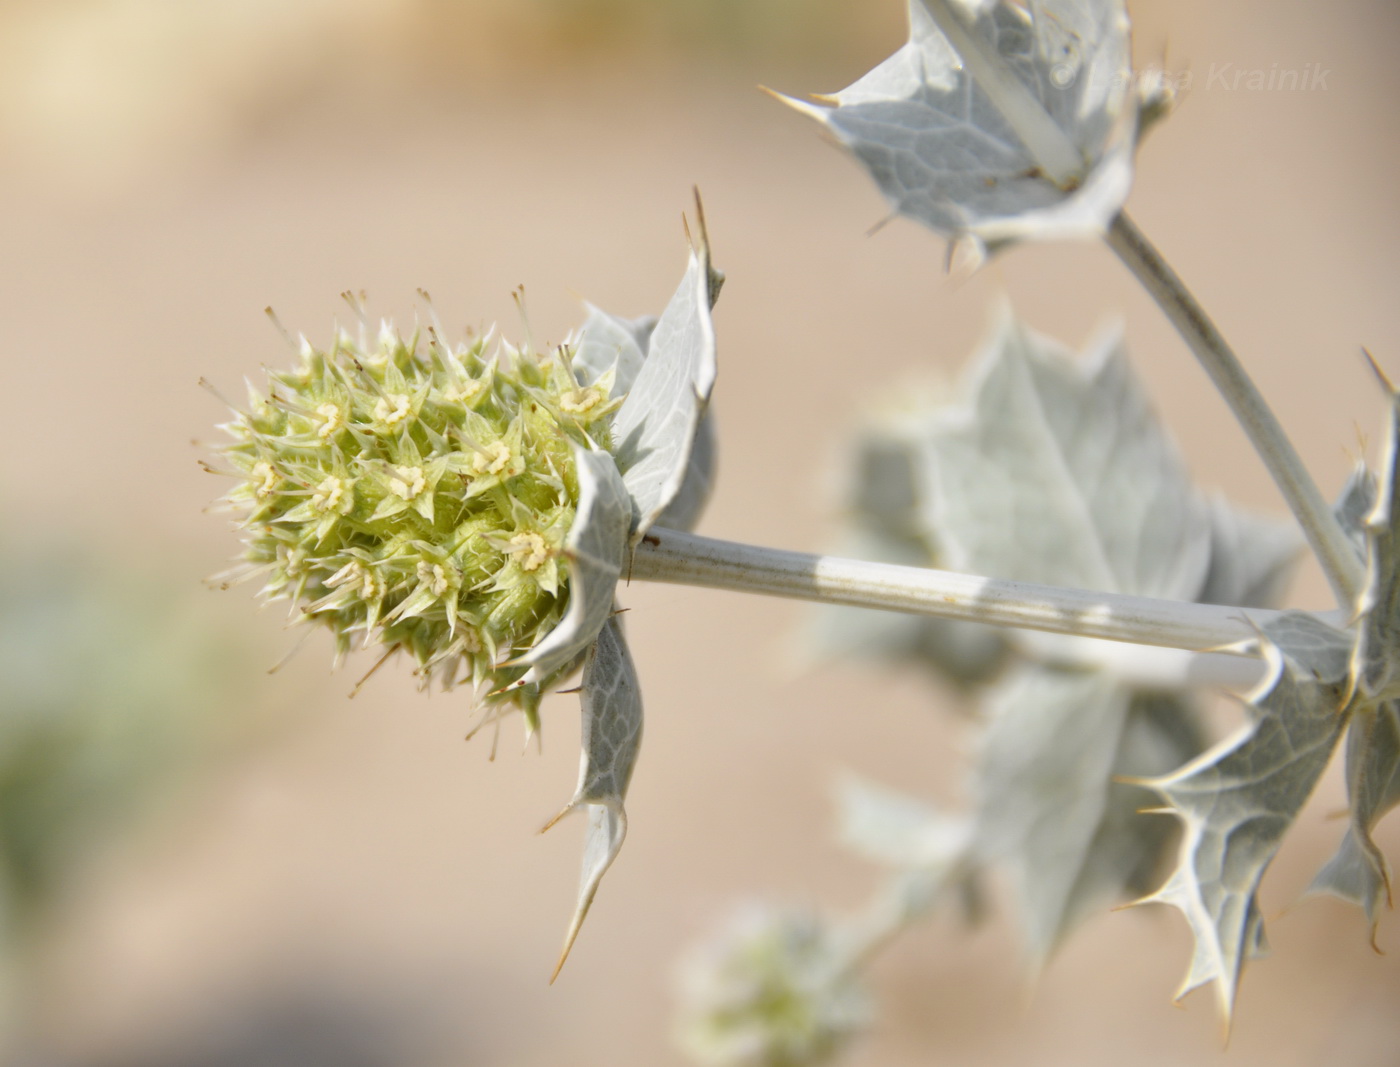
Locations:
1334 552
687 559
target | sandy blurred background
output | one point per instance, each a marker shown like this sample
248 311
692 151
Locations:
348 883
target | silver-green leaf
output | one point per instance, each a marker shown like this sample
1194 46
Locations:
998 121
1041 787
607 342
1358 872
1237 801
1060 472
655 429
1252 558
611 739
1376 664
898 830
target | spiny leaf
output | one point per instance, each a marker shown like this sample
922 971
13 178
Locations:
1062 473
612 736
1359 872
1049 810
996 122
1376 664
656 427
1238 800
1367 509
595 547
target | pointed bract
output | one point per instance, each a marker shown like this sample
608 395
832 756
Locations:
595 548
611 738
656 428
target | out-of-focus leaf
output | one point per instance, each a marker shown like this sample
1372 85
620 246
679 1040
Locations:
898 830
1358 872
1061 473
1356 502
995 121
1238 800
1042 785
611 739
1127 852
656 427
595 546
1251 558
1367 510
885 524
1376 663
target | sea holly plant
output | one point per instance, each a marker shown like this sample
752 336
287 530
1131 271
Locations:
1039 542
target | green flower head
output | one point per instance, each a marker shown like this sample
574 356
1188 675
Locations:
474 506
416 496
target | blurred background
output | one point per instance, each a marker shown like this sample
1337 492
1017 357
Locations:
208 864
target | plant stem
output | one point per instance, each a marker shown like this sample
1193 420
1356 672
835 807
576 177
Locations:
687 559
1049 145
1334 552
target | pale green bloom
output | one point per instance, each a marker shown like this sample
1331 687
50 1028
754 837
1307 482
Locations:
474 508
776 988
414 496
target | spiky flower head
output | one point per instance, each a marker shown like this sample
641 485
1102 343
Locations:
469 507
417 496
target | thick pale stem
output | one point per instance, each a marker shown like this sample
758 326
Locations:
686 559
1334 552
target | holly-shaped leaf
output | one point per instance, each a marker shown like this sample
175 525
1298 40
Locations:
1051 810
1056 470
656 428
611 739
1238 800
997 122
1060 472
1367 509
1359 872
